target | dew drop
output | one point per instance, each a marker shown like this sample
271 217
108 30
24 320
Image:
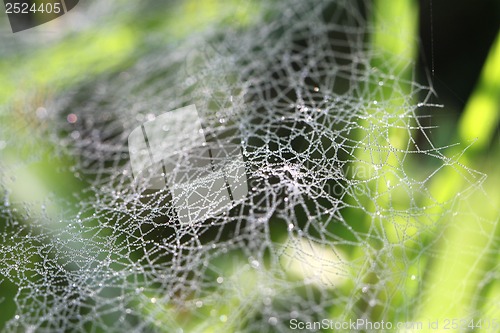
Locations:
72 118
75 135
41 112
272 321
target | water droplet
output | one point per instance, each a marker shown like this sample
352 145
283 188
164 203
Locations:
72 118
220 279
199 304
372 302
413 277
316 89
153 300
272 321
41 112
364 289
75 135
223 318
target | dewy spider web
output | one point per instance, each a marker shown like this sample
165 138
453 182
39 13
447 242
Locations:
334 225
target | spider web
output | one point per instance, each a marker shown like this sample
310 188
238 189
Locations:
336 223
